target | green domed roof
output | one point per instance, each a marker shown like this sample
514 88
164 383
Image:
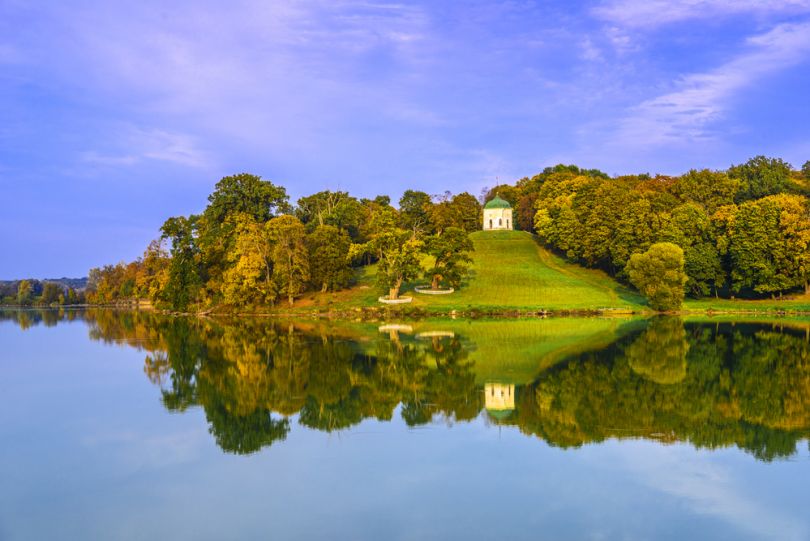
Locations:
497 203
499 415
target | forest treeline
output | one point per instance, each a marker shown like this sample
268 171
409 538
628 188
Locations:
740 232
31 292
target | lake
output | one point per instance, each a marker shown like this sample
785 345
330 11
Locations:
133 425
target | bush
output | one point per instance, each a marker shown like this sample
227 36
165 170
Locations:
658 274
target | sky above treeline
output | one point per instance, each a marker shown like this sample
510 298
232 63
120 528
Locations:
117 115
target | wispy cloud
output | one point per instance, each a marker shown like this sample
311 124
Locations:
136 145
708 488
639 14
699 100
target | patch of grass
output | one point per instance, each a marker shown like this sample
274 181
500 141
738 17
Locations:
799 303
512 271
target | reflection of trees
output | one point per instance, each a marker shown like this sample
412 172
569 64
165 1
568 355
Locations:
244 373
713 385
659 354
739 385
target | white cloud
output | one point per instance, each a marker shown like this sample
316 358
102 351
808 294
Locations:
590 52
139 145
706 487
688 113
641 14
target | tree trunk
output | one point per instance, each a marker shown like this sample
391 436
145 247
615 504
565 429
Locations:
324 287
393 292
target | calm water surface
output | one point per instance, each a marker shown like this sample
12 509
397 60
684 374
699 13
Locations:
126 425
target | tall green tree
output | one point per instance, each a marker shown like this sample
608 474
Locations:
245 194
769 244
711 189
329 258
760 177
330 208
399 253
466 212
183 286
659 275
414 210
290 255
450 251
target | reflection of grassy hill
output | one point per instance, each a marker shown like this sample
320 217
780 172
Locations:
516 350
510 272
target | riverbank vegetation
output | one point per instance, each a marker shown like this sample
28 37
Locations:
737 234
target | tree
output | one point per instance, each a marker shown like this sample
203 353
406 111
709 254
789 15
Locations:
466 211
768 244
50 293
289 255
658 274
238 194
249 279
376 216
806 170
153 272
183 286
328 249
414 210
245 194
399 253
504 191
761 176
330 208
24 292
691 229
450 251
712 189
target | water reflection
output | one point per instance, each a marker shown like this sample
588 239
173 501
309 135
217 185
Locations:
707 383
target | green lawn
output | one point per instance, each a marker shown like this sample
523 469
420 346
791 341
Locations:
512 271
799 304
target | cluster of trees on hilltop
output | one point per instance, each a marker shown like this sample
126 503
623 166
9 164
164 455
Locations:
30 292
250 247
744 231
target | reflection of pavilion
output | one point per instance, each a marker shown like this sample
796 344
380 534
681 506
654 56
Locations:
499 399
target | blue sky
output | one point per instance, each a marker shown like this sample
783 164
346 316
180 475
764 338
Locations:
114 116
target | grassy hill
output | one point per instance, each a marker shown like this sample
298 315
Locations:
510 271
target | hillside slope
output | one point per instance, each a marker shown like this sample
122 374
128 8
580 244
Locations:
510 271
